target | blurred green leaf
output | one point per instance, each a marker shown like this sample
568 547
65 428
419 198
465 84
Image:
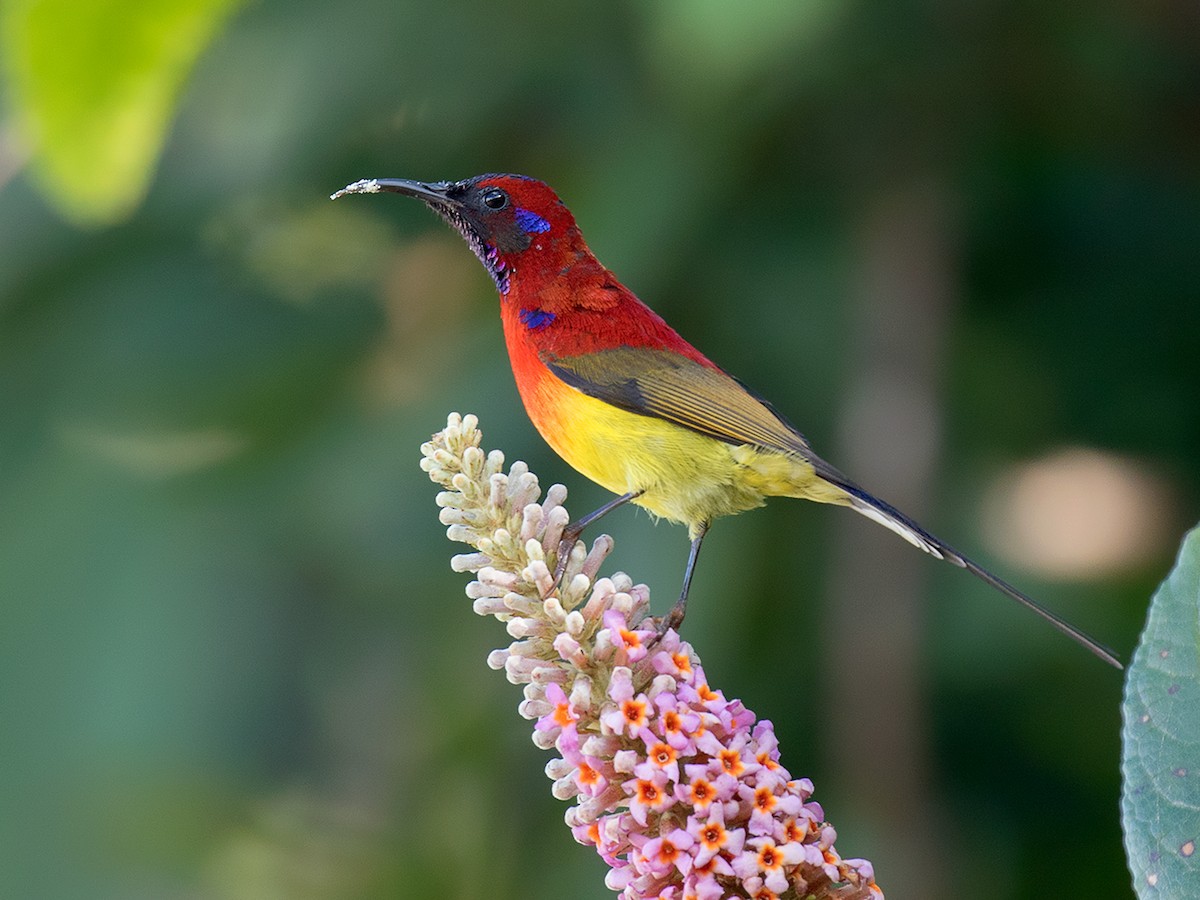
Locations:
93 86
1161 755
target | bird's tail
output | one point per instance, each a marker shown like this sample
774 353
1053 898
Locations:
885 514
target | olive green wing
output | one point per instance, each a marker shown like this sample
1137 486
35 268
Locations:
667 385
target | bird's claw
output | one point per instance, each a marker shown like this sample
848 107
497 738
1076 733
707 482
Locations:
673 620
565 546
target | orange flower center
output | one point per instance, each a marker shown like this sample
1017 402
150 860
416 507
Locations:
769 858
648 792
634 712
764 799
562 715
662 754
668 852
731 762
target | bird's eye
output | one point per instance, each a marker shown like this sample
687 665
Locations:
494 198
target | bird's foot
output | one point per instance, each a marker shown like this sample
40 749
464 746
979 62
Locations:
673 620
569 536
572 532
674 617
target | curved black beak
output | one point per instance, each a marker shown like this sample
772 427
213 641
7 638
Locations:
430 193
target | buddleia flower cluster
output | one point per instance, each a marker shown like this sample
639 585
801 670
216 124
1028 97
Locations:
679 789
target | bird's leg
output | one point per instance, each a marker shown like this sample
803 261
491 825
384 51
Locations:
571 533
674 617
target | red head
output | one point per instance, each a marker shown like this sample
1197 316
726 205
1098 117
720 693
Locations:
558 299
510 221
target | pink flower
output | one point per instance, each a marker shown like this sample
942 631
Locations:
702 883
676 723
669 852
648 795
630 643
631 713
679 789
563 714
767 806
590 776
713 837
671 657
660 756
769 861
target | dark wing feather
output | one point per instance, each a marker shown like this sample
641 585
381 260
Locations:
667 385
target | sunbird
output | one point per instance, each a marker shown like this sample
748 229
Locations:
629 403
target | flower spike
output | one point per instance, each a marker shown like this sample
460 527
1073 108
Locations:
678 789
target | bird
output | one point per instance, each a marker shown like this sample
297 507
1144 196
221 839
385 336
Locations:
626 401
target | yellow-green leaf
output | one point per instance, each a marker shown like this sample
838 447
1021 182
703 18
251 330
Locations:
93 86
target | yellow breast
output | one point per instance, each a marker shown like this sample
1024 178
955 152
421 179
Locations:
684 476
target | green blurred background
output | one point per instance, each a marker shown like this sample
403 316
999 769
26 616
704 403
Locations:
956 243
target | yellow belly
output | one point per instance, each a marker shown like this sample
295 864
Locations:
684 476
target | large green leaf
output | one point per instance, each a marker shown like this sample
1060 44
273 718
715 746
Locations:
93 87
1161 757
